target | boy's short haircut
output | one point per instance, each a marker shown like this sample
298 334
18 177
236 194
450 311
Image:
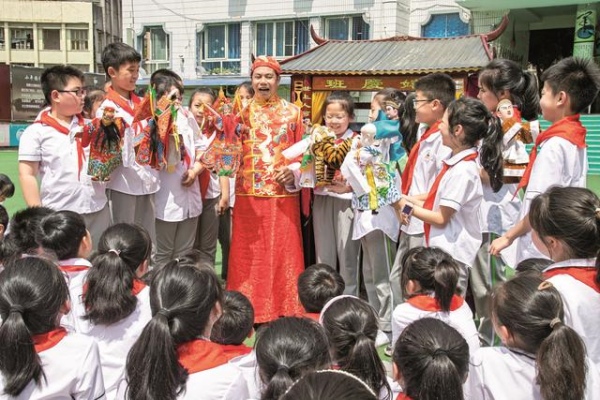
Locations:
23 227
318 284
3 218
437 86
62 232
57 78
237 320
578 77
7 187
118 53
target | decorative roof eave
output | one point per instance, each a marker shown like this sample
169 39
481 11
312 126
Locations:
386 72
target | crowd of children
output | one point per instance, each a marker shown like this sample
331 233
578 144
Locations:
107 282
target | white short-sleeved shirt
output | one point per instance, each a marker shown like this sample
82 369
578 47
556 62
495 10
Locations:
581 304
115 340
175 202
134 179
249 367
385 220
224 382
499 373
558 163
62 185
460 189
72 370
460 319
429 162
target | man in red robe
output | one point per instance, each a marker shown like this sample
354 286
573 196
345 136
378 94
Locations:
266 248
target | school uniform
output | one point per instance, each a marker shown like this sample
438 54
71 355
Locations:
115 340
210 377
460 189
232 351
575 280
178 207
74 270
460 317
500 373
131 186
332 215
424 162
71 366
64 183
561 161
249 367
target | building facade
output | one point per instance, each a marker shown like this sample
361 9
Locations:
198 38
41 33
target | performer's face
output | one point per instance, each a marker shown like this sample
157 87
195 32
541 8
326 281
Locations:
264 82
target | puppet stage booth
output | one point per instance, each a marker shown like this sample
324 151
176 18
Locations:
371 65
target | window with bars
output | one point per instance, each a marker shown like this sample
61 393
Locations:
51 39
445 25
78 39
282 38
154 43
219 49
2 40
21 38
347 28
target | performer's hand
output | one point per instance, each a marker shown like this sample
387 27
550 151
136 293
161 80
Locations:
188 177
223 205
339 187
499 244
284 176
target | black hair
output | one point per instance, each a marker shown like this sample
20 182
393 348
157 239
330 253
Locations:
533 265
118 53
8 250
351 325
89 100
318 284
3 218
329 385
57 78
236 322
479 124
122 248
408 124
62 233
435 271
23 227
383 93
7 187
32 291
501 74
286 349
248 86
203 90
343 99
578 77
192 258
433 359
569 214
182 299
437 86
163 72
532 312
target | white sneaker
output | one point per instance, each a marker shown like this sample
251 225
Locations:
382 339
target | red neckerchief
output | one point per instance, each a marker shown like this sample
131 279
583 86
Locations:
200 355
48 340
409 169
403 396
433 192
73 268
47 119
233 350
585 275
137 287
568 128
428 303
120 101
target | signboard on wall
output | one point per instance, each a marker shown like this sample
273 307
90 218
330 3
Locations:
15 132
27 98
585 31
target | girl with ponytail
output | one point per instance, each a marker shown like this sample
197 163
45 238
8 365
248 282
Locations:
287 349
174 358
450 210
113 304
566 229
38 358
543 359
351 325
430 361
429 282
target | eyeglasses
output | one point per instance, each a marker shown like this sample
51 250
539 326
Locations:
416 102
77 92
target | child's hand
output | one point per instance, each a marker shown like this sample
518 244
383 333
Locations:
188 177
339 187
499 244
223 205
